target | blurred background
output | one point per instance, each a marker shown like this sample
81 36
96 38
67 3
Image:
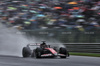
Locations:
65 20
76 23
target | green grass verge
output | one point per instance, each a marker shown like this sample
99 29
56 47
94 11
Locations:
85 54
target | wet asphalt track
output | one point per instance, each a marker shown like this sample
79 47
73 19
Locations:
72 61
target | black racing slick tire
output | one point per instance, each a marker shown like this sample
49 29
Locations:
63 51
26 52
38 52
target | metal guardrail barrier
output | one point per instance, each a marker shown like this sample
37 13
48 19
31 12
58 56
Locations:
83 47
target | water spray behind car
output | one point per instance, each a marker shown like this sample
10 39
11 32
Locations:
12 41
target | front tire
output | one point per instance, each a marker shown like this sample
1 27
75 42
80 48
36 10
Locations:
38 52
63 51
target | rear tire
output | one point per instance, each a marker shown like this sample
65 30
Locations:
26 52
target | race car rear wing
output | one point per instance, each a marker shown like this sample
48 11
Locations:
33 44
36 44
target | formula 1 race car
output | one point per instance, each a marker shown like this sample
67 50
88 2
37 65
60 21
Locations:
44 51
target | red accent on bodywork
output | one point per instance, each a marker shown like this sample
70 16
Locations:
52 50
